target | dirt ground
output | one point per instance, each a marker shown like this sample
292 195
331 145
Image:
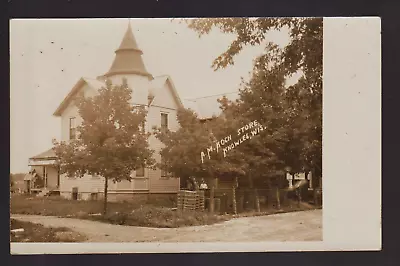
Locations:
294 226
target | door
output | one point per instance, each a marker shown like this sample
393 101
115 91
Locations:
74 193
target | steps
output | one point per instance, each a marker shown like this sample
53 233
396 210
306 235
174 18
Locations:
45 192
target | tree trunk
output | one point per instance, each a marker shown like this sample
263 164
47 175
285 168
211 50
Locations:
105 196
278 198
212 195
234 203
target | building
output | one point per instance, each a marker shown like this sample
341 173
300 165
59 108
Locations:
160 97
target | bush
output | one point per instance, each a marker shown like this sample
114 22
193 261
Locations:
150 216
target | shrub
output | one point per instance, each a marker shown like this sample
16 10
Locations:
150 216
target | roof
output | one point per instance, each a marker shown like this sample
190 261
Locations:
49 154
208 106
128 57
93 83
158 83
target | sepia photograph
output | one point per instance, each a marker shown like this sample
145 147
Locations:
166 130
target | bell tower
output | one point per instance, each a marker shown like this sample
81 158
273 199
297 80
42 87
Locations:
128 63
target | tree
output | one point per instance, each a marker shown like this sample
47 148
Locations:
111 141
182 148
293 115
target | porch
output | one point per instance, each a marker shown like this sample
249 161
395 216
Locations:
44 177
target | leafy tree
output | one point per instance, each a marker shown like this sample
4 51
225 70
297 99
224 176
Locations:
182 149
111 141
293 115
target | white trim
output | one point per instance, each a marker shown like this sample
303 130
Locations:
43 162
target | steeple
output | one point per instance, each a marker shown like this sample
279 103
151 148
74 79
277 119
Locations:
128 58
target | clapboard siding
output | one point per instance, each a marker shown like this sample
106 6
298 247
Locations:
85 184
159 184
89 184
72 111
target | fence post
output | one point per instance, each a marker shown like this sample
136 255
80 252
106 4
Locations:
257 200
298 192
278 199
212 195
234 196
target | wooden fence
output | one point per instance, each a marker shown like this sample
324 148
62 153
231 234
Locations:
269 198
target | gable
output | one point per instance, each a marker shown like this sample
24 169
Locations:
88 86
165 94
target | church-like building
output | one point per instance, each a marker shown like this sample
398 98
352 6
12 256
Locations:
162 101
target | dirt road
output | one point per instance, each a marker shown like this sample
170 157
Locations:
295 226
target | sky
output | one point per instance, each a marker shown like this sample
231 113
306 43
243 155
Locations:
48 57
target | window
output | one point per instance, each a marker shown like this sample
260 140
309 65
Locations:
164 122
164 173
72 128
140 172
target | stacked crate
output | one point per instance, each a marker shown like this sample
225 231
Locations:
190 200
200 200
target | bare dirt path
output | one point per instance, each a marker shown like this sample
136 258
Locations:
294 226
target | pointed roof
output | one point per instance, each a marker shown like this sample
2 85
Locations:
92 83
157 84
49 154
128 58
129 41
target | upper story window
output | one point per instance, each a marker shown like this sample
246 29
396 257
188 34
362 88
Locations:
72 128
164 122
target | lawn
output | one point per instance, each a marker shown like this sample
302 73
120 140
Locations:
129 213
38 233
123 213
57 206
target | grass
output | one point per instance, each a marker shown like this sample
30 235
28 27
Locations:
38 233
58 206
122 213
150 214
